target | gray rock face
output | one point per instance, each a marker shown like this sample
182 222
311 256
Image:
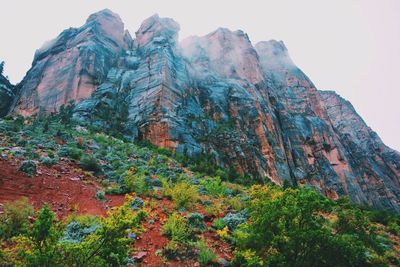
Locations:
251 108
6 95
71 66
375 166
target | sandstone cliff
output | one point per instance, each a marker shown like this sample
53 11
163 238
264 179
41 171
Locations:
71 66
249 107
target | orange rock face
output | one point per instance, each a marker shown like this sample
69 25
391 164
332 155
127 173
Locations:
248 108
71 66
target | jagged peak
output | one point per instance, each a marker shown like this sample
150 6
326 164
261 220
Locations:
155 26
104 14
274 45
224 34
274 54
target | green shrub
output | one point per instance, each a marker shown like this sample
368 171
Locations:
15 218
219 224
28 167
47 161
70 152
44 236
196 221
214 186
289 228
394 227
101 195
206 255
183 194
136 181
177 228
90 163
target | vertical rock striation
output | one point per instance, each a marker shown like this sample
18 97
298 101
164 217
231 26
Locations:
71 66
249 107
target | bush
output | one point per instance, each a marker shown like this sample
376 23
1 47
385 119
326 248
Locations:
47 161
137 203
196 221
136 181
101 195
214 186
289 228
394 227
177 228
15 218
216 209
206 255
89 163
70 152
28 167
76 233
44 236
232 220
183 194
219 224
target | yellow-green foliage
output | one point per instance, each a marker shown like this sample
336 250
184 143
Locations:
224 233
135 181
177 228
206 255
234 203
216 208
183 194
290 228
214 186
109 245
14 219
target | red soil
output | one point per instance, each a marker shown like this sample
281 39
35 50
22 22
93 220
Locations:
64 187
67 190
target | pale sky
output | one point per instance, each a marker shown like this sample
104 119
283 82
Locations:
350 46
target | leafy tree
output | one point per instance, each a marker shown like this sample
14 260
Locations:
291 228
44 236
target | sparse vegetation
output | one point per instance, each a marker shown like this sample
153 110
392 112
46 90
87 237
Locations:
15 218
264 225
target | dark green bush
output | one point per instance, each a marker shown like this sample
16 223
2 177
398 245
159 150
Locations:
28 167
90 163
196 221
70 152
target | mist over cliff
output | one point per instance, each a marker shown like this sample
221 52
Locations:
247 106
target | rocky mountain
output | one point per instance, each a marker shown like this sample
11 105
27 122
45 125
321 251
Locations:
249 108
71 66
6 95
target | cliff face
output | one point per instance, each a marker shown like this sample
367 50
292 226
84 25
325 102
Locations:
6 95
250 108
71 66
375 166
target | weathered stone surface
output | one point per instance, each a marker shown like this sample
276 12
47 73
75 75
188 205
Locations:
6 95
375 166
251 108
71 66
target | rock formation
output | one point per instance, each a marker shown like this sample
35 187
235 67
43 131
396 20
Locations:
71 66
249 107
6 95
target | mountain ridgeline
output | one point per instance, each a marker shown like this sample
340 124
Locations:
248 107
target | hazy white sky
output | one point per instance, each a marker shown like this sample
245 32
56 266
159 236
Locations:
350 46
